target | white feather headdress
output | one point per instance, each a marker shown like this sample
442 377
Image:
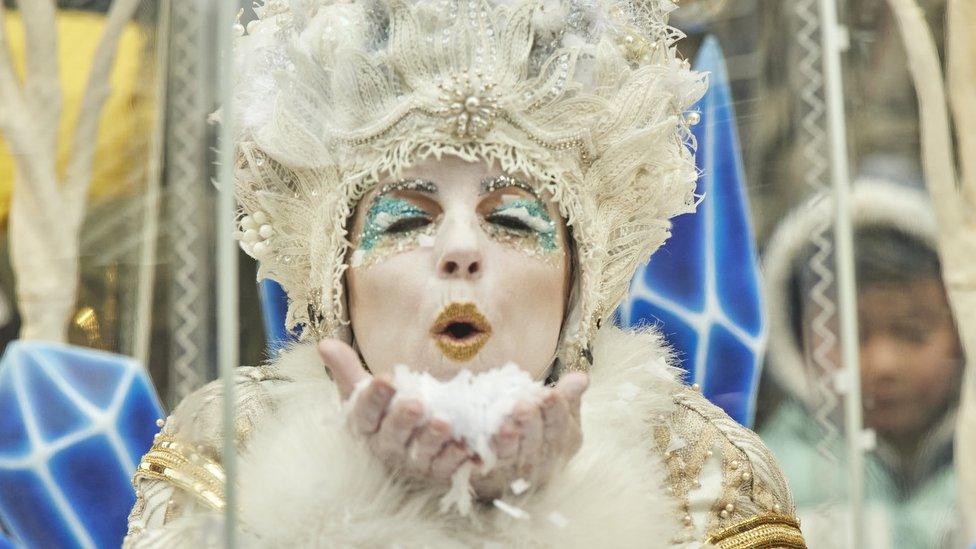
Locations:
586 96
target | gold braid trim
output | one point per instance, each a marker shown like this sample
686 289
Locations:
184 467
761 532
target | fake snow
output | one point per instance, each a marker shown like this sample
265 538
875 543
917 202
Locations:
510 510
519 486
475 405
558 519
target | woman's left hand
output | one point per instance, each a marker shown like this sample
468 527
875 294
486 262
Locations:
535 439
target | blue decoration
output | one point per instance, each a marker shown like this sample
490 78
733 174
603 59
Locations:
74 423
274 308
702 287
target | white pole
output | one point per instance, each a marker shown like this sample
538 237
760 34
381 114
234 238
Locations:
227 306
834 39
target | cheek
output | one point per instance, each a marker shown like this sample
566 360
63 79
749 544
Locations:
529 298
937 367
380 299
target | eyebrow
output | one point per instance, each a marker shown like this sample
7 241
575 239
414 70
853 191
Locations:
502 181
419 185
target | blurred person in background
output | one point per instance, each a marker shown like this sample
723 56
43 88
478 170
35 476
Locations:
910 363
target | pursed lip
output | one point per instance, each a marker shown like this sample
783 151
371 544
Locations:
460 331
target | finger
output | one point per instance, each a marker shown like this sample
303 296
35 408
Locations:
397 428
571 387
529 420
370 406
448 461
427 443
556 418
505 444
344 364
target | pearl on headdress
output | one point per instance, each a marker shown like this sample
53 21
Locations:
265 231
472 103
260 217
251 236
260 248
247 223
693 118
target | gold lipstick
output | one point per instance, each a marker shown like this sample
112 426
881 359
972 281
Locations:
460 331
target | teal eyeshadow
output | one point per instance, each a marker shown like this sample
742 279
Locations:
547 239
398 208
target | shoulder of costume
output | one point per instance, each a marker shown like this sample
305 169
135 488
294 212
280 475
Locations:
186 452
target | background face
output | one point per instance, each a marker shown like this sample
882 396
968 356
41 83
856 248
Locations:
457 266
910 357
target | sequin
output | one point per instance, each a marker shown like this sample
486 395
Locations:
384 212
541 236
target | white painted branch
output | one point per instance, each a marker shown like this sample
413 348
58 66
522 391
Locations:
926 70
45 216
97 91
961 62
954 205
961 68
42 84
35 204
12 105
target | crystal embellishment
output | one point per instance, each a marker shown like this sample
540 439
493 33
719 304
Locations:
73 424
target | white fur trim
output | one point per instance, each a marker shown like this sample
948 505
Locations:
306 481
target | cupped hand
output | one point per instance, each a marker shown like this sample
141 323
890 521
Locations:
397 433
532 442
535 439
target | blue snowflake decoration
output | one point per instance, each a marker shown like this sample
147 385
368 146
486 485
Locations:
73 424
702 287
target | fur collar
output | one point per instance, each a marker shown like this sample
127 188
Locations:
305 481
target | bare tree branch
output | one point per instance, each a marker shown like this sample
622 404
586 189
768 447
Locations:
961 69
926 70
12 107
97 91
42 83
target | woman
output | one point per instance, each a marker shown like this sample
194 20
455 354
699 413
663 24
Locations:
454 186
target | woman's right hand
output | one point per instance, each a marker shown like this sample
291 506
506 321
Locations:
398 434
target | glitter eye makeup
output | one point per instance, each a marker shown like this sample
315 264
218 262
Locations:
393 224
525 223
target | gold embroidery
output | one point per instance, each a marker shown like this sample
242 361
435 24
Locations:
764 531
186 468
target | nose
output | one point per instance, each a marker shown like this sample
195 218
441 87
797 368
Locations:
460 255
880 357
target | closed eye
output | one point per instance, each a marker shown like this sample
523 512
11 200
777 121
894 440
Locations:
407 224
508 222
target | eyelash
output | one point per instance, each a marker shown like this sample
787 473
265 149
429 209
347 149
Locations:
407 224
508 222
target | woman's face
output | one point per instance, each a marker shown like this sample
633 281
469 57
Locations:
457 266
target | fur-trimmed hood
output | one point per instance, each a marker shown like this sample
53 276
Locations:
611 494
874 203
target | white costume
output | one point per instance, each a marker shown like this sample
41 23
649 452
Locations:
586 98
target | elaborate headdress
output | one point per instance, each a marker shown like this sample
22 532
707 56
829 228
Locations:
586 96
